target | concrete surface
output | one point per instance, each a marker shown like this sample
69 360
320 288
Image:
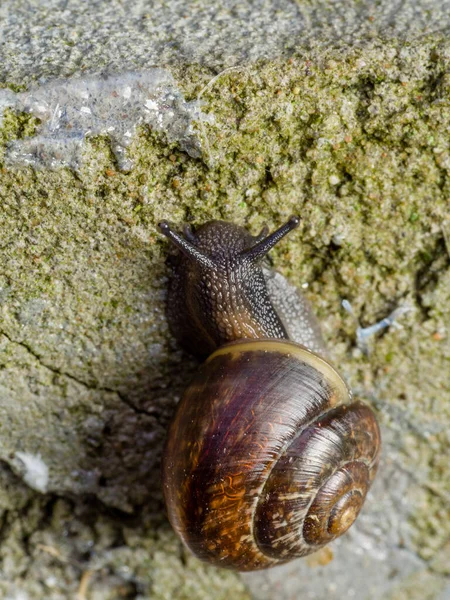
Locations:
250 111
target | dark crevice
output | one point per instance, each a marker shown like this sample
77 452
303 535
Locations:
365 89
4 517
427 277
268 180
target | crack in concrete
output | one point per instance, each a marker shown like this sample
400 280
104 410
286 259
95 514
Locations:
76 379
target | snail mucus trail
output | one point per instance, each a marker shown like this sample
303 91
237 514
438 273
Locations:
268 457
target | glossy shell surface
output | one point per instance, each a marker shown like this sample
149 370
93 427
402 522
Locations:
267 458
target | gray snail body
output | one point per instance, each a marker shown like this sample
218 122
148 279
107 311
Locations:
268 458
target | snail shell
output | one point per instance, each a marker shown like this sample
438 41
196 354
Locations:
252 484
267 458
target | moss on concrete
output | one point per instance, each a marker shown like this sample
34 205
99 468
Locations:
16 126
358 143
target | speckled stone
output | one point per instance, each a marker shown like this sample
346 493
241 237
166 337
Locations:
60 38
334 110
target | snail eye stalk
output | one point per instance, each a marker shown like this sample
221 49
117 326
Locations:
186 246
263 246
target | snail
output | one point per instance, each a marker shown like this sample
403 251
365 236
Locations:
268 457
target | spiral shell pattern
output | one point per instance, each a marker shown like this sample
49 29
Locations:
267 458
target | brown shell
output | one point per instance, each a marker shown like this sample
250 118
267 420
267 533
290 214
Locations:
267 457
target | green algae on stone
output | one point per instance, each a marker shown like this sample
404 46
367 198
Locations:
16 125
357 142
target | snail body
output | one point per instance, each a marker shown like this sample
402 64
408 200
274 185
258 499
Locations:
268 458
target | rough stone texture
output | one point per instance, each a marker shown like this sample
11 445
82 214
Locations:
65 38
337 110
